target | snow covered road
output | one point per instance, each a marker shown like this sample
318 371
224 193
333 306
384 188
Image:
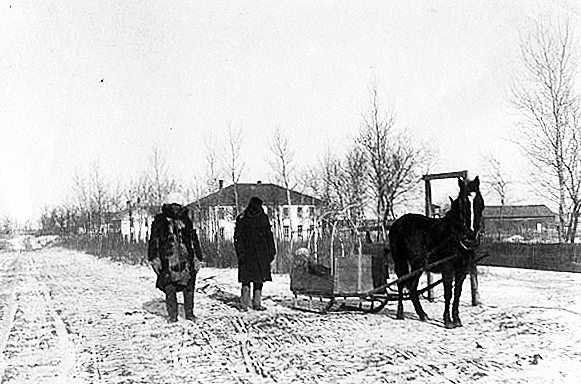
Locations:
68 317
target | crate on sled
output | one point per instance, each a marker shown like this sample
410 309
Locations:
341 267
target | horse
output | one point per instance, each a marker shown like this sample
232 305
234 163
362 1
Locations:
417 241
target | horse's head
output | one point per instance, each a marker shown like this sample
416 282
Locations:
466 212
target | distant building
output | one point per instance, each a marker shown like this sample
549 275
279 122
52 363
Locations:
215 215
134 222
529 221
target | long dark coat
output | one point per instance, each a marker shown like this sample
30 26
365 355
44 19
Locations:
254 245
172 255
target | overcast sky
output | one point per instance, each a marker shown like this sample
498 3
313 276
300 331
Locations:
86 81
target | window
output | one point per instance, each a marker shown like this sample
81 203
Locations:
299 211
300 231
220 213
286 231
312 211
285 212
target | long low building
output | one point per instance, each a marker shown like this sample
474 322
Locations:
215 214
523 220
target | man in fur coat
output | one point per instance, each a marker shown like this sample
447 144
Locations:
175 254
254 244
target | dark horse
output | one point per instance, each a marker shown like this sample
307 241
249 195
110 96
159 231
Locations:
418 240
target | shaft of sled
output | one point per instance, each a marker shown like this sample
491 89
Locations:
411 274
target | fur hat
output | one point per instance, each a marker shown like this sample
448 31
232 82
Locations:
176 198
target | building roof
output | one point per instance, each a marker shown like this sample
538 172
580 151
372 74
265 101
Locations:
518 211
271 194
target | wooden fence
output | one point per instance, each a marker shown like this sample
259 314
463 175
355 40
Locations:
221 254
540 256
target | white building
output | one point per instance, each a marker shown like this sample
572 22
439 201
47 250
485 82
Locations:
135 222
214 216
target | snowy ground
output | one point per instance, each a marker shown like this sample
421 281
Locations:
68 317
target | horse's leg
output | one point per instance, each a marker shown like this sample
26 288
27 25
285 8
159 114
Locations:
459 281
400 287
413 288
447 281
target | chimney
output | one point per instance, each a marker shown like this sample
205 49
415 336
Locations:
259 182
220 184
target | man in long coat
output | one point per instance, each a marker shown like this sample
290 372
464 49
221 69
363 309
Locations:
254 244
173 245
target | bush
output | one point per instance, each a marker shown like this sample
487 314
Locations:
114 247
216 254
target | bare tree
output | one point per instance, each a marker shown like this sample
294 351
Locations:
99 194
81 192
138 197
356 183
212 172
496 178
340 183
283 163
94 197
234 163
283 166
573 176
160 177
374 139
332 179
309 181
394 160
544 93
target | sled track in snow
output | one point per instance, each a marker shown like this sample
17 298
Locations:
7 304
35 344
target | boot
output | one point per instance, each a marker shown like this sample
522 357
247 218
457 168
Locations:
256 300
189 304
171 303
245 298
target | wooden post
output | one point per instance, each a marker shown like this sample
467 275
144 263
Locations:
428 207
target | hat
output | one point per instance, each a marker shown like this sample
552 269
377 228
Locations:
255 202
176 198
254 206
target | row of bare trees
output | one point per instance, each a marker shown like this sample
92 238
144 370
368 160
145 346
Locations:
94 196
378 172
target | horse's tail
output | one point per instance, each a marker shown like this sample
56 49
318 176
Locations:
400 261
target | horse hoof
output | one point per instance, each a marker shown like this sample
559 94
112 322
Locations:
452 325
